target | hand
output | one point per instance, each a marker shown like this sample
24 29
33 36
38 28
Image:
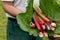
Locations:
43 32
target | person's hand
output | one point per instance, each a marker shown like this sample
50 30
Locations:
41 25
44 28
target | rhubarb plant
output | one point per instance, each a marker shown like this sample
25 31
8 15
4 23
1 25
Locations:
51 9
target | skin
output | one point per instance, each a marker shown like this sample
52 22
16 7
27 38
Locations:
9 8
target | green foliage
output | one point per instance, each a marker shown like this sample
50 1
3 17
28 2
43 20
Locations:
45 38
24 20
3 21
51 8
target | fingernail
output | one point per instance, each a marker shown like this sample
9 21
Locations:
40 34
52 28
43 26
53 24
46 34
48 27
32 25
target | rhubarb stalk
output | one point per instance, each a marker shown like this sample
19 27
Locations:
36 23
39 12
44 24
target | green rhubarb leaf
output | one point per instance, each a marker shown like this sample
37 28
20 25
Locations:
51 9
24 20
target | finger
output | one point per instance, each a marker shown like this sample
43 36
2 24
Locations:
52 28
43 26
40 34
47 26
45 34
32 24
53 24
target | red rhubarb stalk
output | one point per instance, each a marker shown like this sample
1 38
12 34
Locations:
39 12
41 22
36 23
44 24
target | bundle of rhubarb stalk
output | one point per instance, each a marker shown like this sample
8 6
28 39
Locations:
41 22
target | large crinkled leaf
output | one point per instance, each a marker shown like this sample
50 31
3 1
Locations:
24 20
51 8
